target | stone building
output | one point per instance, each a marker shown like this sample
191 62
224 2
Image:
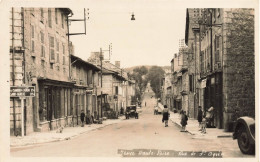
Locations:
39 56
222 45
176 64
87 84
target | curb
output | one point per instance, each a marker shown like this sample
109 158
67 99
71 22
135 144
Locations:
62 138
224 136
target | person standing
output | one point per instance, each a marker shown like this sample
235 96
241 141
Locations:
166 115
203 125
200 114
184 120
82 117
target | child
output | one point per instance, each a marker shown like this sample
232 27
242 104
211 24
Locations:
203 124
184 120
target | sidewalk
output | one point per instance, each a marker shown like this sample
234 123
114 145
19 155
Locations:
52 136
193 128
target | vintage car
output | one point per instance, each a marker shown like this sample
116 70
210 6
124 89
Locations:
131 112
244 132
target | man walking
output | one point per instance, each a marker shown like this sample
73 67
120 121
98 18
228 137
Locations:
166 115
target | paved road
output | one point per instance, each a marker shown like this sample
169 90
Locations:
147 132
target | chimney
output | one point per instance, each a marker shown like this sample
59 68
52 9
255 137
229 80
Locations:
117 63
175 55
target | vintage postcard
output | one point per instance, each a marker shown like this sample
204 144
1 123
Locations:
129 80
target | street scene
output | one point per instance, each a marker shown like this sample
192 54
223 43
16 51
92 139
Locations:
131 80
146 132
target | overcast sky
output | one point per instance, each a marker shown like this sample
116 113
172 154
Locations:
152 39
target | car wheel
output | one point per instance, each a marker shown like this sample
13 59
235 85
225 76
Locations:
243 142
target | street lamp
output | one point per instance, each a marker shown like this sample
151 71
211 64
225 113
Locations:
133 17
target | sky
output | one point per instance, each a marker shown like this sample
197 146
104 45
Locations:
152 39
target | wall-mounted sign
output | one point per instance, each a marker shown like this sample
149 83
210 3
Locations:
22 91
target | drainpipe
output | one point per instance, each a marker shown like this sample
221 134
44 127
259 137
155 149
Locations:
195 78
13 75
211 59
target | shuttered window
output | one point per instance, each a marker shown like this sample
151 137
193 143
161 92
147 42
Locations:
49 18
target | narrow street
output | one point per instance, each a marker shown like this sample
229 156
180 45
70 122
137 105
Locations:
147 132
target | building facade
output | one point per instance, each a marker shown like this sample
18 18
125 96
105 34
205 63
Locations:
222 45
87 82
39 56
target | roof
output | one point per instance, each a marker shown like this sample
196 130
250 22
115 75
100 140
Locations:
66 11
75 58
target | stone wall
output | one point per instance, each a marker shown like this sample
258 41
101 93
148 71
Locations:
238 58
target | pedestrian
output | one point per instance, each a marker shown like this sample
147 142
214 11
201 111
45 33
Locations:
156 110
203 124
82 117
88 117
210 117
184 120
166 115
145 104
200 114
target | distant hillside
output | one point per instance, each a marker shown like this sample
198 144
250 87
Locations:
130 69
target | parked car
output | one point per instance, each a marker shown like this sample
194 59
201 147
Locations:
244 132
131 112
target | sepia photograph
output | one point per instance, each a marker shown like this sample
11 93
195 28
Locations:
130 80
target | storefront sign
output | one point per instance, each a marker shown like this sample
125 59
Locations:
203 83
22 91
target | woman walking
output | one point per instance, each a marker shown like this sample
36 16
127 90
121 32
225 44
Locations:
166 115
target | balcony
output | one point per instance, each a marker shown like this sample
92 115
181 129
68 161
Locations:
184 92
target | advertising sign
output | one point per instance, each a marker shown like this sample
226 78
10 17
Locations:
22 91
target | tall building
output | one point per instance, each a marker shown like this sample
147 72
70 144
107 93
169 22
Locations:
39 57
221 44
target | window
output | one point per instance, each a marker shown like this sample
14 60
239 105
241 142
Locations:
42 37
49 18
32 46
56 15
202 61
63 52
42 51
51 45
191 83
217 59
32 39
42 16
57 51
32 11
62 20
32 31
116 90
58 57
57 46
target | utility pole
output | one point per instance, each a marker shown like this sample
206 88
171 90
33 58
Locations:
101 60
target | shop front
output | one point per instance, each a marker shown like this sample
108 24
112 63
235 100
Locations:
55 108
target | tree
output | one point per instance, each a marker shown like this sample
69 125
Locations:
139 75
154 76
